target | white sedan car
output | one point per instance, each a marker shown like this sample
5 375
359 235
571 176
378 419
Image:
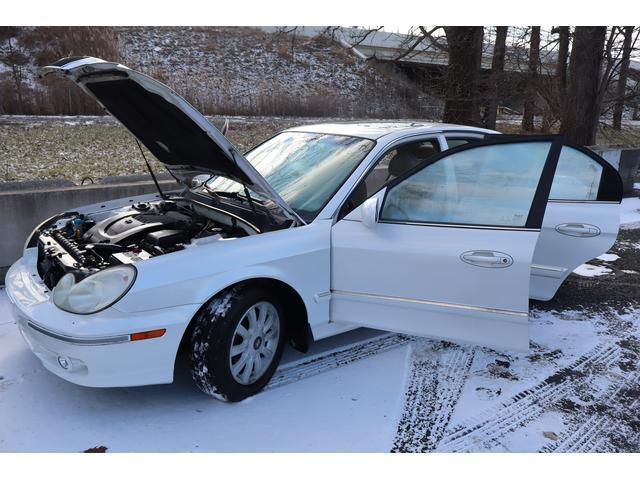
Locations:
443 231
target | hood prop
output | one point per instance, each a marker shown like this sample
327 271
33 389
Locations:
155 180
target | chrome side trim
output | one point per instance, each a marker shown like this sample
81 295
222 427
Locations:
500 311
548 267
457 225
583 201
80 340
547 271
319 297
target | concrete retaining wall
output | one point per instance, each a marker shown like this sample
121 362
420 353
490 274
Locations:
23 205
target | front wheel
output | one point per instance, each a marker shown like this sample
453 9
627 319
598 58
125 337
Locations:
237 343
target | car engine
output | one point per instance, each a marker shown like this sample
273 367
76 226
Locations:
83 244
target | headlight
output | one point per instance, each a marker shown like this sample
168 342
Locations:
94 293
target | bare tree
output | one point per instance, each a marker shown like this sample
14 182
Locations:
559 90
17 62
554 52
290 33
623 75
497 71
463 75
582 108
563 56
532 81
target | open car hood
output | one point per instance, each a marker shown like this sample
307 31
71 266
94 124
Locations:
176 133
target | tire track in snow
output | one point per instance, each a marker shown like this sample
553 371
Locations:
322 362
413 432
489 426
434 386
591 433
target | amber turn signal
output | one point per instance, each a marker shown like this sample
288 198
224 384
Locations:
146 335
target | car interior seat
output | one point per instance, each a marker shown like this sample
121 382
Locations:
408 157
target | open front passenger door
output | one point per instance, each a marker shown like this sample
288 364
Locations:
445 250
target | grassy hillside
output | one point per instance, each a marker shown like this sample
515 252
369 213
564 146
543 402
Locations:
220 70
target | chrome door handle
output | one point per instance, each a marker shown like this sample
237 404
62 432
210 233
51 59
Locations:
487 258
578 229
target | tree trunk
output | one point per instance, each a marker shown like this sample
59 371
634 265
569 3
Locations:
463 75
532 81
557 88
621 87
581 112
497 69
563 56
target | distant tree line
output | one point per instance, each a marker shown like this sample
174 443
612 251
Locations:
566 79
590 78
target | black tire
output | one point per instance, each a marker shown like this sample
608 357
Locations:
212 339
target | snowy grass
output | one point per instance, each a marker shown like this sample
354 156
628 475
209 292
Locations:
76 147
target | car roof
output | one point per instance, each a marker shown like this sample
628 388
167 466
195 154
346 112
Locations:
374 130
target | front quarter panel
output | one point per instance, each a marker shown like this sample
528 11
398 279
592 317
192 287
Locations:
298 257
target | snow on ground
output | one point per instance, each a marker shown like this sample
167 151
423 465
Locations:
414 395
630 211
587 270
629 218
576 389
347 409
608 257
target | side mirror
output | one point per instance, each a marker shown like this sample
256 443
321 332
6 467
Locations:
369 212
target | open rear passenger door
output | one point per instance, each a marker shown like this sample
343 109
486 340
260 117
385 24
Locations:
581 221
445 250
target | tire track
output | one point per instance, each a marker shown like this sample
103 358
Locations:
325 361
486 428
413 432
590 433
435 384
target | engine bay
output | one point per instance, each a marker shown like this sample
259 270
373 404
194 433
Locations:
85 243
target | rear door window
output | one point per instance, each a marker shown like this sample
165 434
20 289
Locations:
577 176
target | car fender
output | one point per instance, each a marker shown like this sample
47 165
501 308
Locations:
298 257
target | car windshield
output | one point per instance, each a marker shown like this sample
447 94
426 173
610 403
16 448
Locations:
306 169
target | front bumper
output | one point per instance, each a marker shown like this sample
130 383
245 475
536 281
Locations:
95 349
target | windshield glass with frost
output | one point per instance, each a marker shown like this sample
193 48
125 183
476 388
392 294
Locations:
306 169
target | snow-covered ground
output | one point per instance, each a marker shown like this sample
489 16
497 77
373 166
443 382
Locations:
343 409
630 212
577 389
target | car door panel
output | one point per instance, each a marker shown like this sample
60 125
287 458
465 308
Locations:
572 233
581 221
438 290
459 281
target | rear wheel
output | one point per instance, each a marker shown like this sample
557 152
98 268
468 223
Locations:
237 343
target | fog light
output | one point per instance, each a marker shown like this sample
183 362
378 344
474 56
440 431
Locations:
64 362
